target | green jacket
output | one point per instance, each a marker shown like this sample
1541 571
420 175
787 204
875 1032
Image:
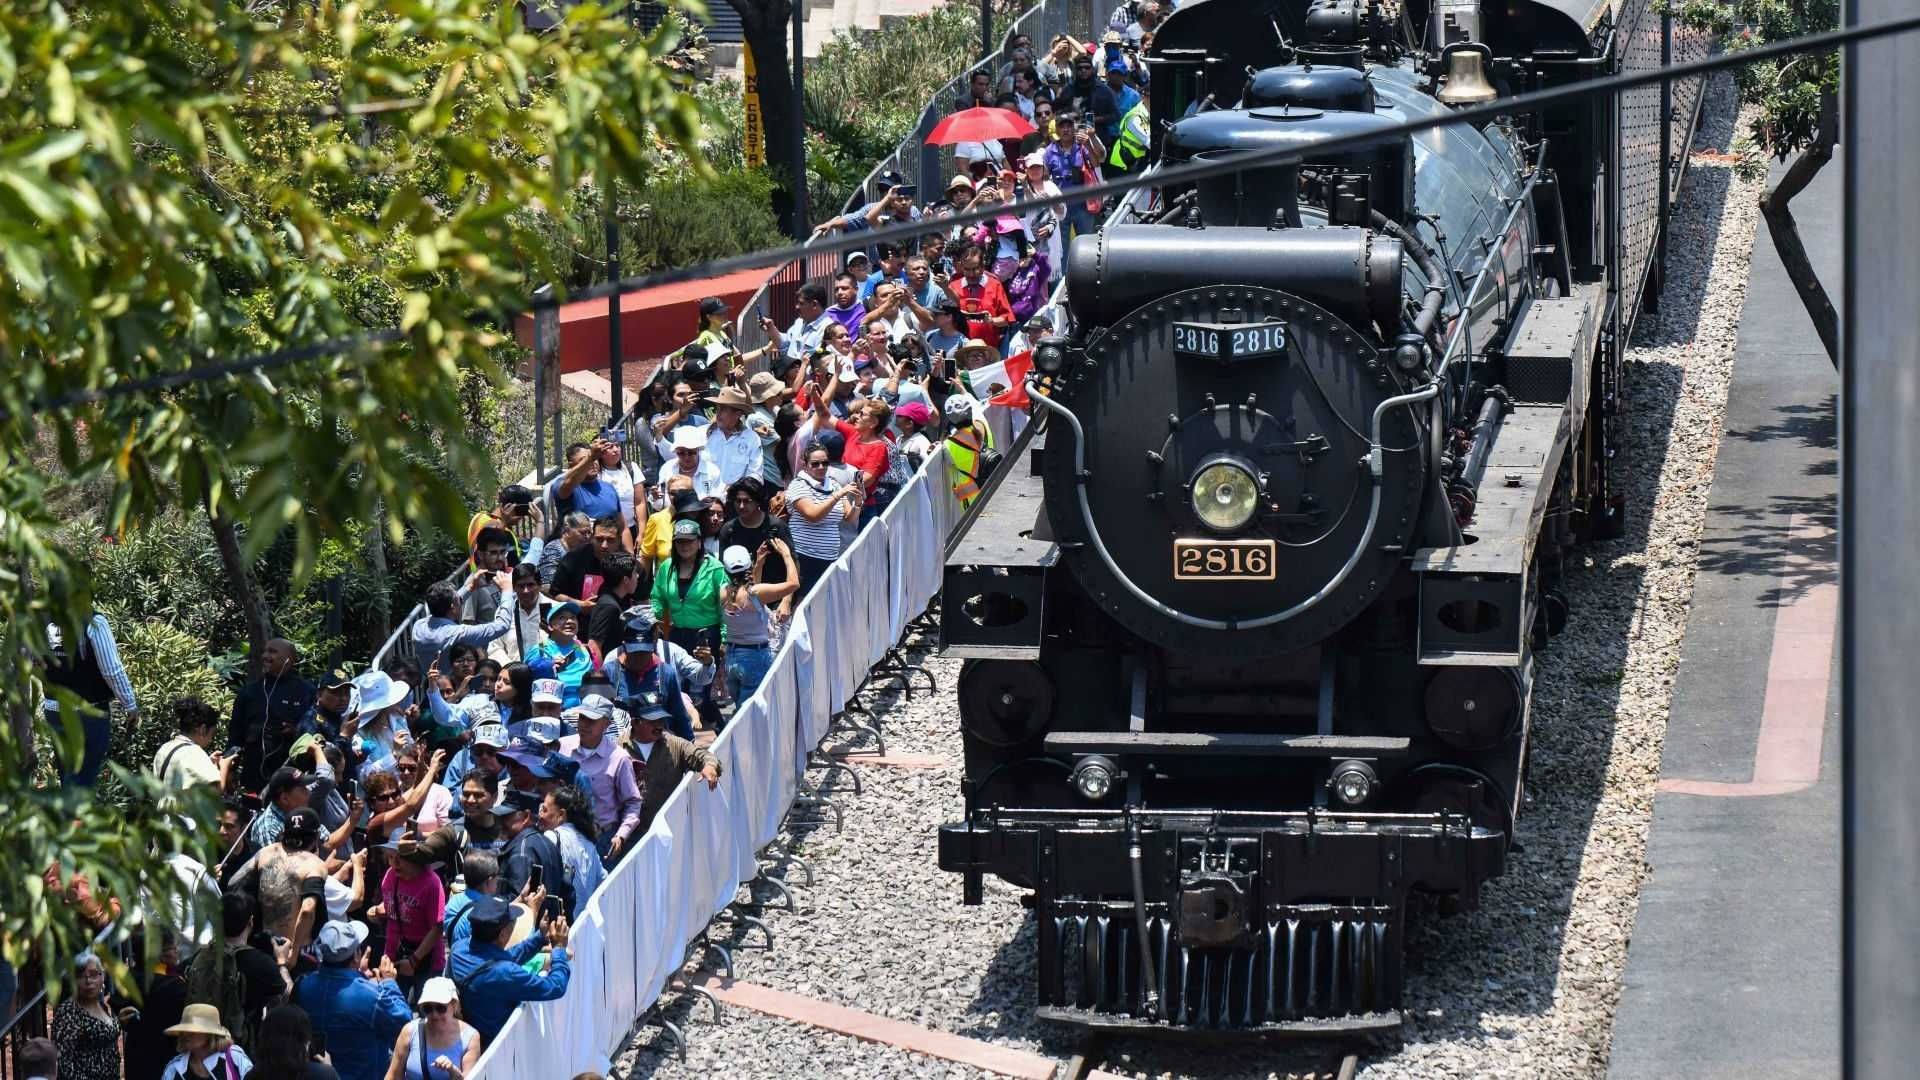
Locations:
701 606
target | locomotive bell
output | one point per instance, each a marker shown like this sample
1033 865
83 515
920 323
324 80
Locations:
1467 76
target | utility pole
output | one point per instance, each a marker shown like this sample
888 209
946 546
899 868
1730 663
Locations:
802 224
986 28
614 356
1879 517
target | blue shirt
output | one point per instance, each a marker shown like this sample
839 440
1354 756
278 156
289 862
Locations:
877 279
595 498
360 1017
493 983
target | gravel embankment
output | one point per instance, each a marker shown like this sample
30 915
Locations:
1526 986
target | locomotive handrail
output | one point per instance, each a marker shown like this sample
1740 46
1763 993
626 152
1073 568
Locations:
1376 466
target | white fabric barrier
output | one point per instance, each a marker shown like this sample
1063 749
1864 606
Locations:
702 845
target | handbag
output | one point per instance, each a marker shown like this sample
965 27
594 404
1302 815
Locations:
1090 176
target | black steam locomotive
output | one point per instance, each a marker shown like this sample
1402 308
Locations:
1251 615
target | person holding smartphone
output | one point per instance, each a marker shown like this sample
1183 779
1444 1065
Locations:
686 597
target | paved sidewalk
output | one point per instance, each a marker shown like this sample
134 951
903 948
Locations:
1734 966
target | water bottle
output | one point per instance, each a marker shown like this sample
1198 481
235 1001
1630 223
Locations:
459 884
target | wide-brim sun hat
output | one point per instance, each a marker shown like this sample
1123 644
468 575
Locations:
975 347
201 1020
379 691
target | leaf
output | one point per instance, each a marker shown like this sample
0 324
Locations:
419 306
59 94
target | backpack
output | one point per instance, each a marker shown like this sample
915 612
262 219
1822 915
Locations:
213 978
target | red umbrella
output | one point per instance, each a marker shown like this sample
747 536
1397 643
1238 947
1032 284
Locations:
979 124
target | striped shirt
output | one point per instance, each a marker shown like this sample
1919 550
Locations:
814 539
101 647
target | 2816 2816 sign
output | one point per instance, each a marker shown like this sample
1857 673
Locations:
1229 342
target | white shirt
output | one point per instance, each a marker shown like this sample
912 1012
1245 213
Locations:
735 455
706 478
622 480
803 337
177 1068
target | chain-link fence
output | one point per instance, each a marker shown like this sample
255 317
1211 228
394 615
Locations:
913 159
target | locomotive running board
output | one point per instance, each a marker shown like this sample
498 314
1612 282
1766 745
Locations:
1331 1027
1252 745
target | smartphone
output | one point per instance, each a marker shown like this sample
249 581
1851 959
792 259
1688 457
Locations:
233 751
759 312
614 434
413 827
951 373
551 908
317 1044
537 878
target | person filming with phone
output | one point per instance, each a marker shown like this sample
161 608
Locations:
491 973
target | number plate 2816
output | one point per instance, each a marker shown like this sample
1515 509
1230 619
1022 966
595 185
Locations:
1223 560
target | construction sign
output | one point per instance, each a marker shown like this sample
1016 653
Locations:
755 135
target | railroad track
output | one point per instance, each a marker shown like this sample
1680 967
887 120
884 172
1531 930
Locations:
1340 1061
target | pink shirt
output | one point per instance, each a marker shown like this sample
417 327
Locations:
414 908
607 771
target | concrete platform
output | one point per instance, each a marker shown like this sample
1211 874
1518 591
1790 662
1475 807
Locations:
1734 966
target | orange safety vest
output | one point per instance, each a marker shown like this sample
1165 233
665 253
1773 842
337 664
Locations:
963 454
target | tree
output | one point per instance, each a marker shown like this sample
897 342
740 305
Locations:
1798 101
190 188
767 28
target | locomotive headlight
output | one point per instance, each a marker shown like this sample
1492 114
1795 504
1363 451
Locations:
1225 495
1093 777
1353 782
1050 355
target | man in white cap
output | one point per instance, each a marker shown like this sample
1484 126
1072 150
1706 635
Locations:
481 755
606 771
690 459
360 1017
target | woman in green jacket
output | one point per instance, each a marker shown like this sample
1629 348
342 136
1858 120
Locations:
686 597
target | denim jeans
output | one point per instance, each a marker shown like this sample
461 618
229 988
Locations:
746 669
98 731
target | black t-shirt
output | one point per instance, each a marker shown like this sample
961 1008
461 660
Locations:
605 627
315 1071
261 974
734 533
576 566
149 1047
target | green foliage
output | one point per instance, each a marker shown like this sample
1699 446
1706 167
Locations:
865 92
183 183
1790 93
164 664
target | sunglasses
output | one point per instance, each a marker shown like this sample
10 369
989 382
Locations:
816 464
433 1010
681 450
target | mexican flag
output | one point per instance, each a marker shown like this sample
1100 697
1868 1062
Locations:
1001 383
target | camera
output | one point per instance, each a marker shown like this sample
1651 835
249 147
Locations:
899 350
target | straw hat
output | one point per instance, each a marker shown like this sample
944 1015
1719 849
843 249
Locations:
201 1020
765 387
733 398
975 348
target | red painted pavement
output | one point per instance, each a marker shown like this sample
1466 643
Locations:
653 322
946 1046
1793 719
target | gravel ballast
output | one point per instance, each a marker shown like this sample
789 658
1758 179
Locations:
1524 987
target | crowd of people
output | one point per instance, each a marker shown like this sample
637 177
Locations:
403 850
987 284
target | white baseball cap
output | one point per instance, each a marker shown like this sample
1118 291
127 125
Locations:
737 559
546 692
